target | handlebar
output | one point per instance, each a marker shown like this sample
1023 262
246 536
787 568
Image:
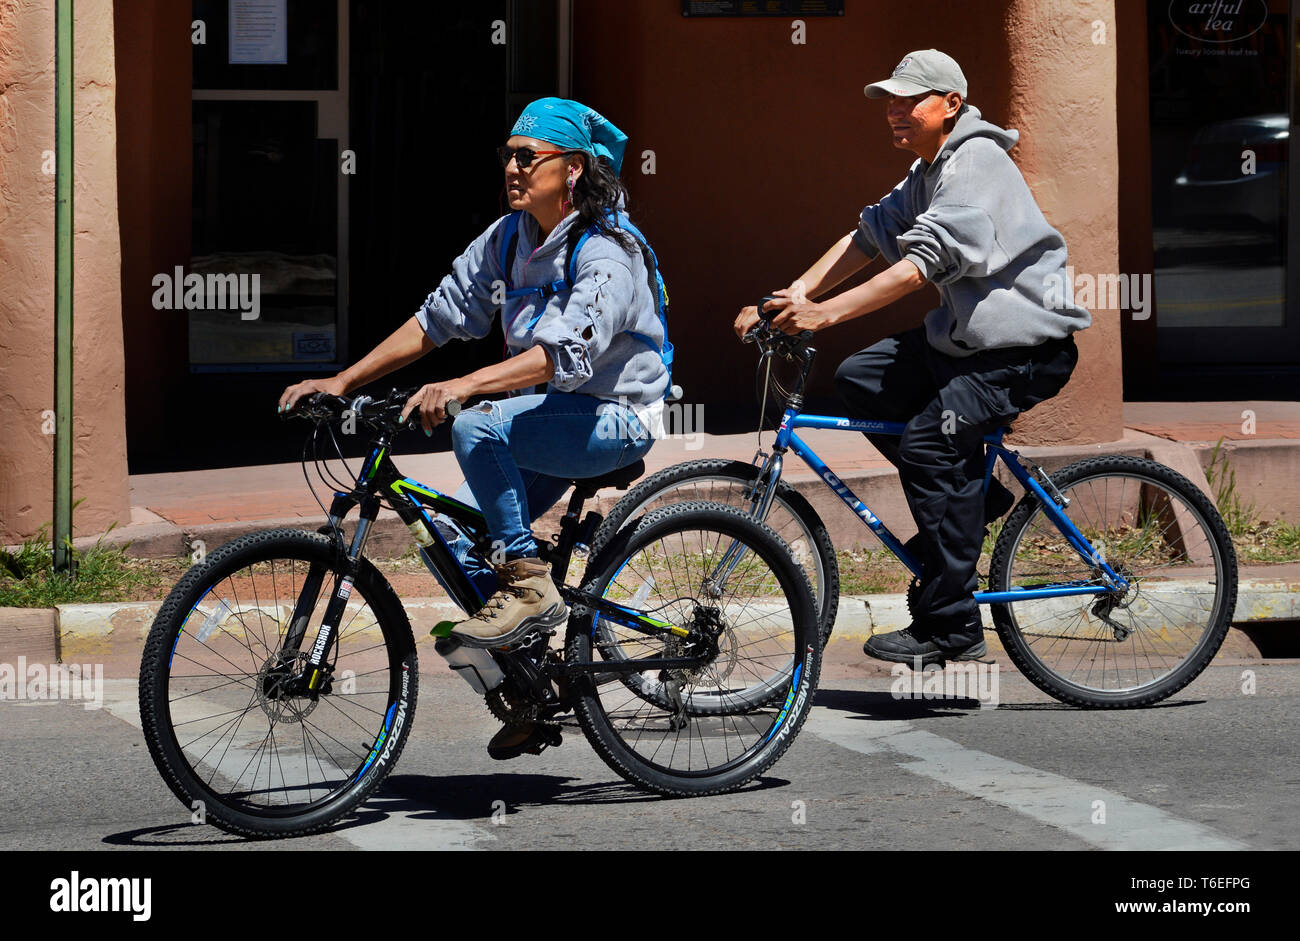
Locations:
791 347
381 414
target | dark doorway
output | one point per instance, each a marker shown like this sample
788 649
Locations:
430 96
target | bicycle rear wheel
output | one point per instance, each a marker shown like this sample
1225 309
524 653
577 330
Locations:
1161 533
698 731
219 709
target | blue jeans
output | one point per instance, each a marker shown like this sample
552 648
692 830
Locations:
519 455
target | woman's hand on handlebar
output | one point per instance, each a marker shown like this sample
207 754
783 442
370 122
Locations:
290 396
431 402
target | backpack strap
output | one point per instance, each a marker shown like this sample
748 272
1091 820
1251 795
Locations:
656 286
510 242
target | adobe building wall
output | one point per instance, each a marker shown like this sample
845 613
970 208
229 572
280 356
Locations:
27 273
765 151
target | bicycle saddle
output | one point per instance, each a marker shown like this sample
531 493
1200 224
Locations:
619 479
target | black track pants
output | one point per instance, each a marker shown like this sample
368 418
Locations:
948 405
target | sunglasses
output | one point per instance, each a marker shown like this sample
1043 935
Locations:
524 156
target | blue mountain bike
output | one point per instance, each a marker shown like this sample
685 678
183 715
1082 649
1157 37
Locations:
1111 584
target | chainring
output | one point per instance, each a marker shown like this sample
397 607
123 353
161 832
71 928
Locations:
508 705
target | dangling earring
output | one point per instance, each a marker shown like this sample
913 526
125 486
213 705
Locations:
568 203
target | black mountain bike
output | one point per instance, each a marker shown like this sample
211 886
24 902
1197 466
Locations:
278 682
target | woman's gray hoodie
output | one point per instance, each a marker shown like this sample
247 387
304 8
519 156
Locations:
970 225
587 331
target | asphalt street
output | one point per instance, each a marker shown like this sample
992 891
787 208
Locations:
1215 767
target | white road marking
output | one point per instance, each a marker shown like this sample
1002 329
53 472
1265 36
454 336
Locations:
1052 799
399 830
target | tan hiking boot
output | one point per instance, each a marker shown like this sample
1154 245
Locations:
526 601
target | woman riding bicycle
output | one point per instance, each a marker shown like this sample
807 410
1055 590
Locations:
965 220
597 346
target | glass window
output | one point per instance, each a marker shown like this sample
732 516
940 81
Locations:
1220 135
265 204
312 49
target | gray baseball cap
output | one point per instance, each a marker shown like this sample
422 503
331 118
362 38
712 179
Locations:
919 72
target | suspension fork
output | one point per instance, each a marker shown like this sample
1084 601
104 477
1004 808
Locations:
760 501
340 591
340 507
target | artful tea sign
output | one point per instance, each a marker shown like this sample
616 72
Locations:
1218 21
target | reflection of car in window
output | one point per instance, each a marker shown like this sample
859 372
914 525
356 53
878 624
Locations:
1213 184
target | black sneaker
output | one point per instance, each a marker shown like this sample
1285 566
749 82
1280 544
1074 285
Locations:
906 647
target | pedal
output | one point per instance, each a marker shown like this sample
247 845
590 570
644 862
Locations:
547 735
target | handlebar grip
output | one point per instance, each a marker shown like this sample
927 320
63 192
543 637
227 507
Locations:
767 315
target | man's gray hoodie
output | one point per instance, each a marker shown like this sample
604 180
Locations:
588 331
970 225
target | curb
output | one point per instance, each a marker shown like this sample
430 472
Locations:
78 631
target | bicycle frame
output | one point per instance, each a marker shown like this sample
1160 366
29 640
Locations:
409 498
788 441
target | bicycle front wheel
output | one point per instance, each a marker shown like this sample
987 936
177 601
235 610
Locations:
221 700
1126 648
710 728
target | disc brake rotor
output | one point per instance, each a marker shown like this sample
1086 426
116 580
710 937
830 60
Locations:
272 681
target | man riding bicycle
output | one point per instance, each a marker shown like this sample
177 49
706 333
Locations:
965 220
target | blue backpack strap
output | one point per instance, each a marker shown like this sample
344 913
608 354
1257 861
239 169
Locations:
509 239
661 294
509 243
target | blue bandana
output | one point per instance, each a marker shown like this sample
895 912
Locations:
572 126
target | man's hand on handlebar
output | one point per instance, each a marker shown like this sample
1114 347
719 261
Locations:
796 318
745 321
431 402
290 396
750 316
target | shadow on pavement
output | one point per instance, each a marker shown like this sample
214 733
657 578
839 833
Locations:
881 706
141 838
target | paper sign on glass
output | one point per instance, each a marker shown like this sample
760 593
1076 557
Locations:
259 32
